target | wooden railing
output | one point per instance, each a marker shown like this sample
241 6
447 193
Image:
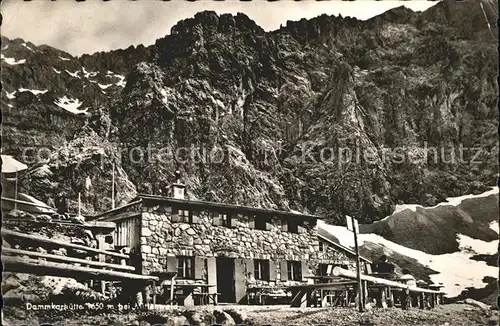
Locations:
38 263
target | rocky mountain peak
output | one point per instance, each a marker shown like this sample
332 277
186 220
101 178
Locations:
210 22
278 106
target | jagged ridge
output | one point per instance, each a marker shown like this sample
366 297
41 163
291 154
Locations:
399 79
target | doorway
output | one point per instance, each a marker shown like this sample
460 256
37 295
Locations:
225 279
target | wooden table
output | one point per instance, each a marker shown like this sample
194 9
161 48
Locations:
188 291
165 276
303 294
260 292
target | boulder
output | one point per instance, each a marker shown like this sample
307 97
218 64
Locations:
195 318
177 321
477 304
223 318
494 320
238 316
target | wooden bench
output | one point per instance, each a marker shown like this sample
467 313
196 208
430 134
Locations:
207 298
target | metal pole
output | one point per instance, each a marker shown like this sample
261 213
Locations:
113 188
79 204
358 268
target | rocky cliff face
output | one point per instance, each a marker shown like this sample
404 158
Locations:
271 118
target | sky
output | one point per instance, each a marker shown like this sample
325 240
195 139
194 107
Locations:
95 25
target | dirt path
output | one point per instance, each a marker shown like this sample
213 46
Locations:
450 315
447 315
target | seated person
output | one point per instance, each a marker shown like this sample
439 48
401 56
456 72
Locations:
385 269
250 280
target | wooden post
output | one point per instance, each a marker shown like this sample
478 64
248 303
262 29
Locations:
365 293
405 300
382 299
15 194
358 267
101 246
113 188
154 291
433 300
422 300
390 296
172 284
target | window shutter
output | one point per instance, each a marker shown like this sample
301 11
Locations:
272 270
305 269
284 270
199 266
250 266
284 225
301 229
176 217
195 219
171 264
217 220
251 222
269 226
212 274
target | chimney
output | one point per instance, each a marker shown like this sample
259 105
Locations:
178 189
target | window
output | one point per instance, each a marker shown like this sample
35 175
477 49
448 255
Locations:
292 225
221 219
261 269
321 246
262 223
185 267
294 270
181 215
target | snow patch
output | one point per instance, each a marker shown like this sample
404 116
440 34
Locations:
164 95
11 96
33 91
64 59
70 105
10 105
73 74
412 207
57 71
494 226
476 246
104 86
122 80
12 61
455 201
453 278
26 46
88 74
450 201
